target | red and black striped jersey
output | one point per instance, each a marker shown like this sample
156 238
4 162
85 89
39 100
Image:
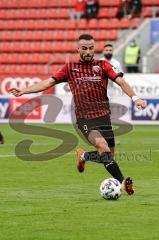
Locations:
88 84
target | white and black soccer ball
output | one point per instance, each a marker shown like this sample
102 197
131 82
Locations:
110 189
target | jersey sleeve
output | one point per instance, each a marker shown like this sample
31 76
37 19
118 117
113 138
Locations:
61 75
111 71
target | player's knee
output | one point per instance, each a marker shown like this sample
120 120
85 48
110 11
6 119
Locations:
102 145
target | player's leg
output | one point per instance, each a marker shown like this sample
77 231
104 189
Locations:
105 156
102 155
109 137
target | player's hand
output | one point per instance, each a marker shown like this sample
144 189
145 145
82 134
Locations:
140 104
16 92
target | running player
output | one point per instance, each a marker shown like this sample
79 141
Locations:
88 79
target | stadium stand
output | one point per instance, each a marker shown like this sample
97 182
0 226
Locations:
32 35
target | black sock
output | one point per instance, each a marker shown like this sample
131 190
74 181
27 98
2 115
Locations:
108 161
93 156
111 166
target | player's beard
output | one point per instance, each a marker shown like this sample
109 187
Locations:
87 58
108 56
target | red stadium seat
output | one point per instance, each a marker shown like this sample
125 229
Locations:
108 23
9 24
60 35
147 12
33 69
64 13
5 46
3 14
109 3
114 23
107 12
41 13
150 2
92 24
53 68
71 24
19 24
2 25
113 35
70 35
124 23
134 22
10 4
104 23
51 24
3 4
7 35
64 4
100 46
107 35
15 58
82 24
57 47
27 46
49 35
58 58
4 58
18 69
2 69
49 46
52 13
62 24
69 47
54 3
9 69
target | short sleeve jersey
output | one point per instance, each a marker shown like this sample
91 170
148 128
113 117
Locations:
88 84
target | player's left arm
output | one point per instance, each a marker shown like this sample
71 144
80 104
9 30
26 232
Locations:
140 104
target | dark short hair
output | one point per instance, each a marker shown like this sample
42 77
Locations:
108 45
85 37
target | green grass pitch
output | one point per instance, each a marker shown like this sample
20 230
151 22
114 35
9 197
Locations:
50 200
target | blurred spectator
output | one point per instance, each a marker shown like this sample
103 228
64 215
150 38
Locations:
123 9
128 8
132 57
134 7
1 138
108 56
92 8
80 10
157 13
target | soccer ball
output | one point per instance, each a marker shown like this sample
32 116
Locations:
110 189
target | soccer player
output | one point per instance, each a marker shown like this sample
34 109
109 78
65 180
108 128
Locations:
108 56
88 80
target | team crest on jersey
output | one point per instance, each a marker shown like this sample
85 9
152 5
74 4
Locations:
116 69
96 68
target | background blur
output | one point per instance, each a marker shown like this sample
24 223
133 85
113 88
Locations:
38 36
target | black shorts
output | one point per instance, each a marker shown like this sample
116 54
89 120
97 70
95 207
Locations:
102 124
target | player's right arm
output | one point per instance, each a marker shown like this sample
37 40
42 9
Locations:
39 87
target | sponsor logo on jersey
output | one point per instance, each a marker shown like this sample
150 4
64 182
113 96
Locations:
96 69
116 69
